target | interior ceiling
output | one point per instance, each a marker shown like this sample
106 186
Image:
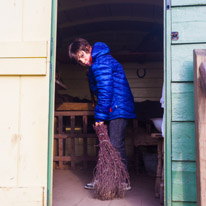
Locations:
133 29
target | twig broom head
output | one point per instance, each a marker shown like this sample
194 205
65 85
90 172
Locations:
110 175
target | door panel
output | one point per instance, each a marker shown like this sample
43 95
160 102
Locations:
183 141
182 61
183 204
187 2
23 58
20 66
37 49
24 82
184 183
22 196
190 23
182 102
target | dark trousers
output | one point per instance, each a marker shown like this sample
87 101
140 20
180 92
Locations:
117 131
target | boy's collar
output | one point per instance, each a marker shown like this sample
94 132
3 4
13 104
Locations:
91 59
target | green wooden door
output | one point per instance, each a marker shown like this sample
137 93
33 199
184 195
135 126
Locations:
188 18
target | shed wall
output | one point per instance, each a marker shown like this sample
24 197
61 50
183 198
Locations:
147 88
188 19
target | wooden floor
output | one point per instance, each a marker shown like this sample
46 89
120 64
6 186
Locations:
68 190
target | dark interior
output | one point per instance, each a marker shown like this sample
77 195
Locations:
132 28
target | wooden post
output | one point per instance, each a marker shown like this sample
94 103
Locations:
55 143
72 118
85 141
60 141
200 127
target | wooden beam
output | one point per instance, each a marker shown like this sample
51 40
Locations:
77 158
71 106
109 19
75 113
111 35
116 26
65 5
64 136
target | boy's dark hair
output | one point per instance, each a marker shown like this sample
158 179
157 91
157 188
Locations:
77 45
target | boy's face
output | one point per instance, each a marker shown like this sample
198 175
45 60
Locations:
84 58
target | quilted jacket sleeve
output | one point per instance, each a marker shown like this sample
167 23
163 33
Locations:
92 82
104 83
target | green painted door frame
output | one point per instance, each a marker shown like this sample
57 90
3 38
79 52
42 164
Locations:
51 101
168 108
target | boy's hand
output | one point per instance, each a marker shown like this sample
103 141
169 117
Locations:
98 123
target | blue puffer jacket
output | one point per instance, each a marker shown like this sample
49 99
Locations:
108 81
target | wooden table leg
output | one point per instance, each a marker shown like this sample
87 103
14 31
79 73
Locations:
162 179
159 169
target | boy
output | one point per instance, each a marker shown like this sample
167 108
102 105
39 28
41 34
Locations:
107 80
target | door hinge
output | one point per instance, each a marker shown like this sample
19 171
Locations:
175 36
168 4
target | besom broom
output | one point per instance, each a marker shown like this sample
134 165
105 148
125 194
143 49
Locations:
110 174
